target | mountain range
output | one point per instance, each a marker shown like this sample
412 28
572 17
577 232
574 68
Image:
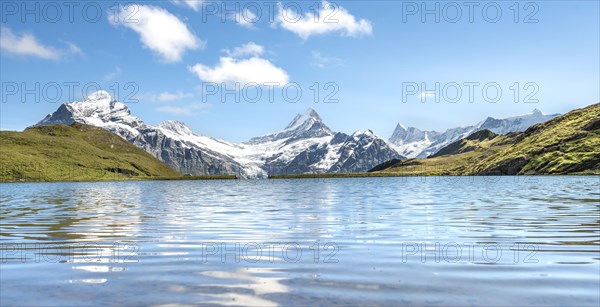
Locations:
73 153
567 144
414 143
305 145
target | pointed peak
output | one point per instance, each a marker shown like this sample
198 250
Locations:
487 121
176 126
303 126
311 112
99 101
309 115
536 111
400 126
98 96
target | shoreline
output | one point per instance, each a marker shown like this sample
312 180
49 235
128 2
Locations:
293 176
376 175
192 178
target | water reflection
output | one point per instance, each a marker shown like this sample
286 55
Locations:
395 241
256 280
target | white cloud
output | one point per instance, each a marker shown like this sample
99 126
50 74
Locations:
193 4
245 18
235 69
183 110
168 96
159 30
27 44
248 49
113 74
330 18
322 61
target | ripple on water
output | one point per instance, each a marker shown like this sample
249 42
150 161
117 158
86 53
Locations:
372 241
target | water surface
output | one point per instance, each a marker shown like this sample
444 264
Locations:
377 241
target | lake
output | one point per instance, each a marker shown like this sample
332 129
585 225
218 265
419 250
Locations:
349 241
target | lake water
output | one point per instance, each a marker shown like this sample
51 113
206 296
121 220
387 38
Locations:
377 241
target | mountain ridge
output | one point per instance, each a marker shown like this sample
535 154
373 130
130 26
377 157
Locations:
75 152
567 144
412 142
305 145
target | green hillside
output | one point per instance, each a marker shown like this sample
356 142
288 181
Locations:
565 145
74 153
568 144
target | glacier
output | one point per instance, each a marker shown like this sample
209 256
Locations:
412 142
306 145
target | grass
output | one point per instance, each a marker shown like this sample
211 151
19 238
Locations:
461 164
569 144
331 175
78 153
565 145
560 146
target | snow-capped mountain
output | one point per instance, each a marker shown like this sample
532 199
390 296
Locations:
414 143
516 123
99 110
305 145
171 142
307 125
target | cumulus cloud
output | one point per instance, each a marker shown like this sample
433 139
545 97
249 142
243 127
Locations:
248 49
242 65
27 44
329 19
193 4
159 30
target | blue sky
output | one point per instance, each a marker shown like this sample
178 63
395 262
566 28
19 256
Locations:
364 54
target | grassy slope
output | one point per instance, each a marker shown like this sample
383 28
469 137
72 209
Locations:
74 153
564 145
332 175
452 165
459 164
569 144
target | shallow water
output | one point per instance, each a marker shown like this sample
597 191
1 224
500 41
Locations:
377 241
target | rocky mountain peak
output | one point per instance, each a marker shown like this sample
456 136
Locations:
412 142
176 126
98 96
306 125
310 116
